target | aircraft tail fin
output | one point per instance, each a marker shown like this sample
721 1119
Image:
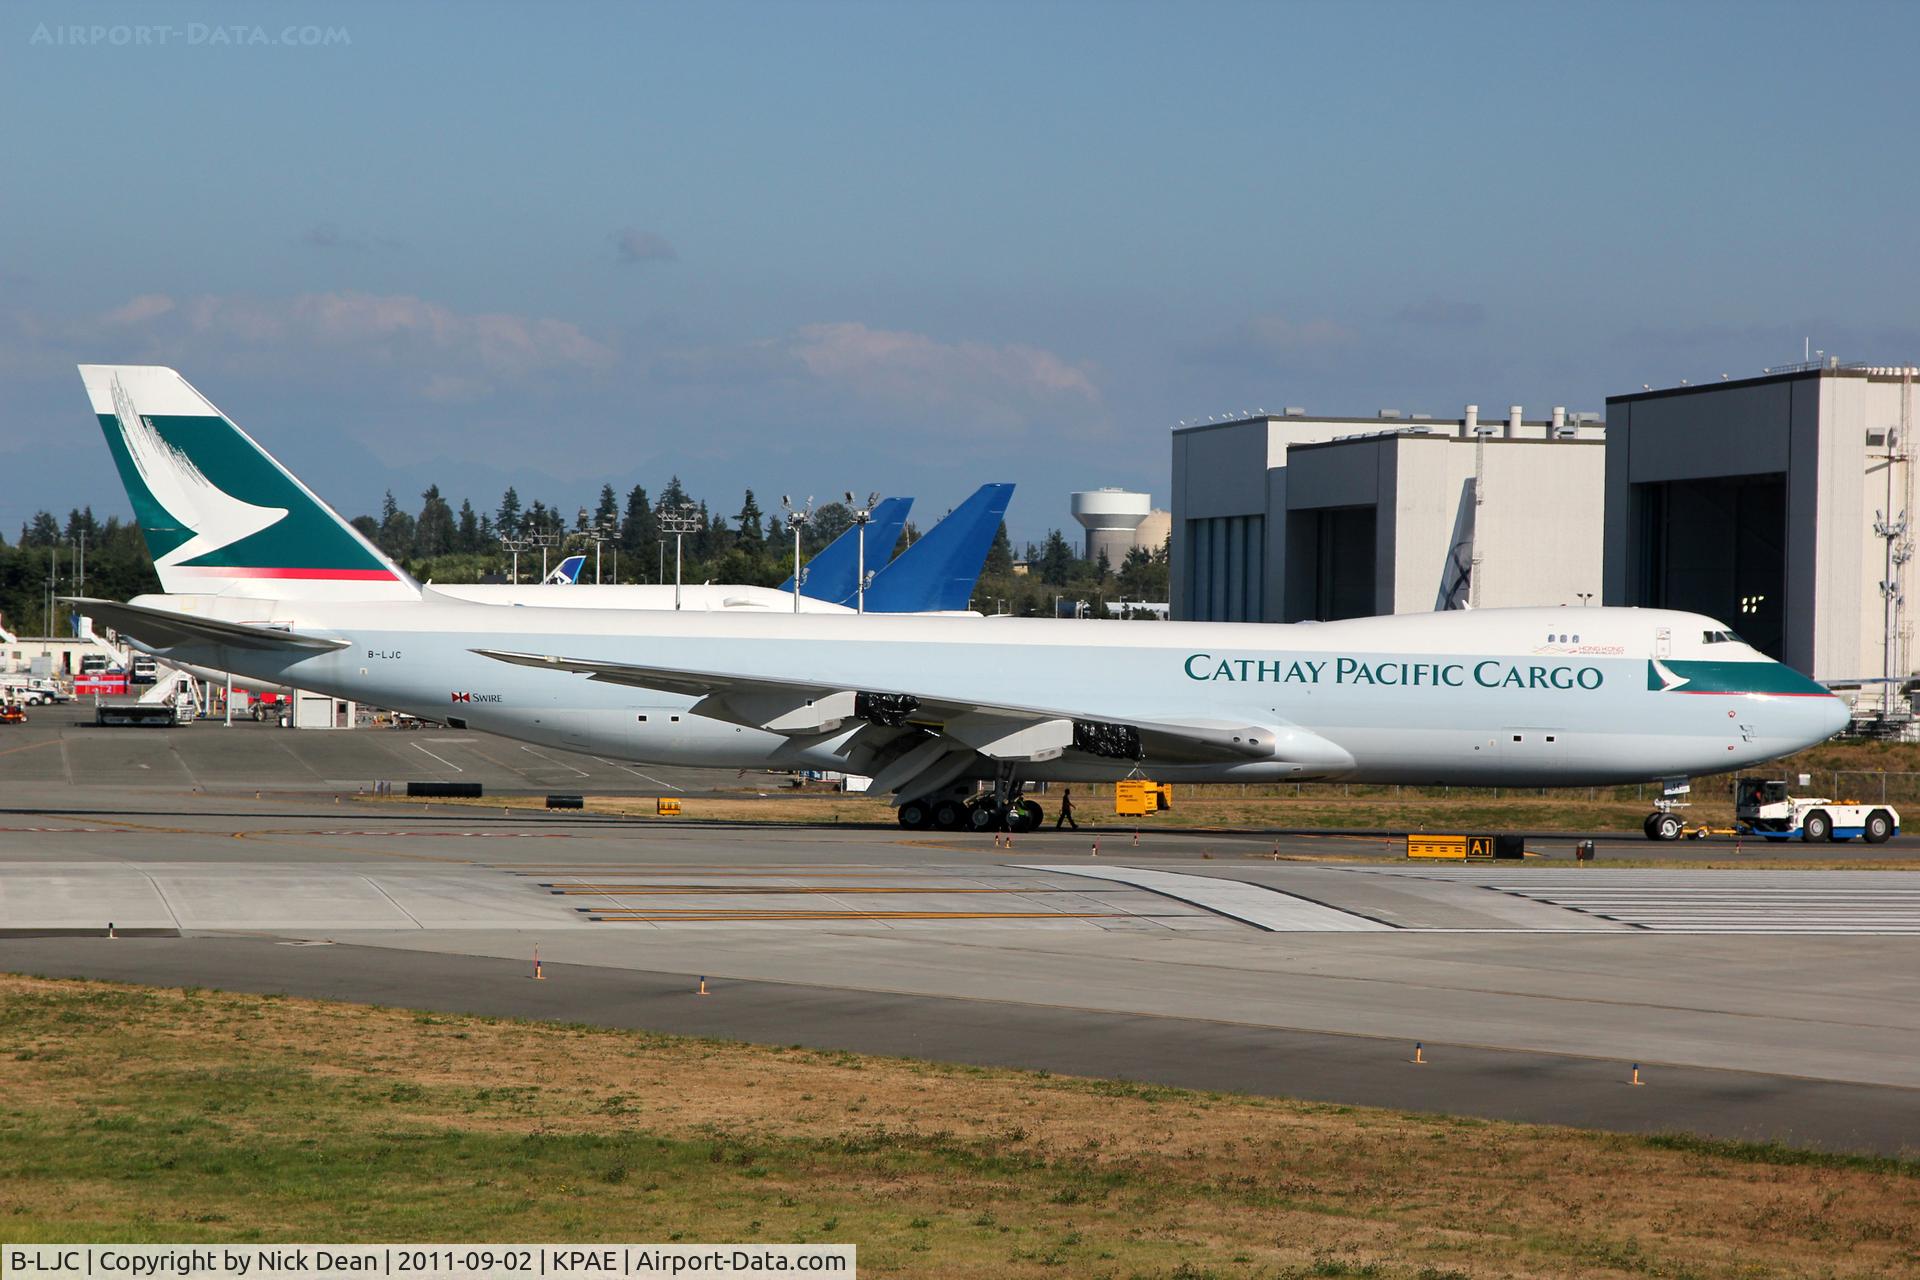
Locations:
833 573
567 573
937 574
220 515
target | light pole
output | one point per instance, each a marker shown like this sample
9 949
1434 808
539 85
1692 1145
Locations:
53 567
599 532
796 521
514 546
679 521
862 517
546 539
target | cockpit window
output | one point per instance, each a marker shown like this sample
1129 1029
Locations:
1720 637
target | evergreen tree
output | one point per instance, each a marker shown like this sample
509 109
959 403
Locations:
466 538
829 521
396 529
640 528
999 555
507 521
608 508
82 522
1143 576
751 537
43 532
1056 560
674 495
705 543
433 533
1103 568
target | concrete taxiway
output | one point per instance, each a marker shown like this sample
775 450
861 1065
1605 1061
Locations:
1759 1004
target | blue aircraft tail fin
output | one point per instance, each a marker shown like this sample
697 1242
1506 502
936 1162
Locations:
567 573
833 573
938 573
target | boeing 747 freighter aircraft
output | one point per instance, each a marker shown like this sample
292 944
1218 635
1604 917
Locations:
928 706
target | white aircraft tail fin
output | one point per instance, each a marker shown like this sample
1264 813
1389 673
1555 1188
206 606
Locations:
220 515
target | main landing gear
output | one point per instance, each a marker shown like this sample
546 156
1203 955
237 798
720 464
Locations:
976 813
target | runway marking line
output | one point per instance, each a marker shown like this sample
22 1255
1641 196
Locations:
642 916
668 868
756 890
442 759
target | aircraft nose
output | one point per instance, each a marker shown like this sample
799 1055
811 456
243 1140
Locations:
1832 715
1811 713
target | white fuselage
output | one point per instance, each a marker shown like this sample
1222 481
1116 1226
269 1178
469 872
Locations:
1524 696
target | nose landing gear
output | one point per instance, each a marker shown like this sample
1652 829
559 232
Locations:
1663 825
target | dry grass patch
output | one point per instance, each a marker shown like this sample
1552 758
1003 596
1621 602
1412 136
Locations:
135 1113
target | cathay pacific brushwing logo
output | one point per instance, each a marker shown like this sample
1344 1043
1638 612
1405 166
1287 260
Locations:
1662 677
215 518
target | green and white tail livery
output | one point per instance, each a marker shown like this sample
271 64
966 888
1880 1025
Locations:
220 515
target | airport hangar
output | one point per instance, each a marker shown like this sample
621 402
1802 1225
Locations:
1778 504
1293 518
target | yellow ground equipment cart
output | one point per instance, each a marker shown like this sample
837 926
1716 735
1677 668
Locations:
666 807
1137 797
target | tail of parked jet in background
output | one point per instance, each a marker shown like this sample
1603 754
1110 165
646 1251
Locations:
221 516
833 573
937 574
567 573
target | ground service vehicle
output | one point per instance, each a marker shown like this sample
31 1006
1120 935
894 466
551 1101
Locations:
13 713
1763 808
39 693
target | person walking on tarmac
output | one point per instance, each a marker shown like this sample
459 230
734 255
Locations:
1066 811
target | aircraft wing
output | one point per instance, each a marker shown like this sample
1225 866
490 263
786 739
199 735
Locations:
999 730
165 629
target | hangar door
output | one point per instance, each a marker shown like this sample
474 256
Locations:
1719 547
1330 563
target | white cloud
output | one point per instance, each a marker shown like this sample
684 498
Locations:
891 364
1435 312
852 368
637 245
1266 342
1277 333
444 345
139 310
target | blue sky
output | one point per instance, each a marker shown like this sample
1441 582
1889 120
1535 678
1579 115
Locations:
914 247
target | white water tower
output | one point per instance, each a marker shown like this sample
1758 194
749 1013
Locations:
1110 517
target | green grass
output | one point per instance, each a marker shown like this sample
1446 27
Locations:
133 1114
